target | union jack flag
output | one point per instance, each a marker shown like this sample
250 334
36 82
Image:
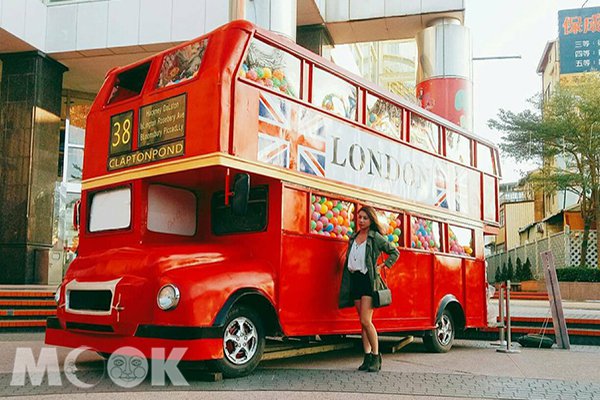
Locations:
441 199
291 136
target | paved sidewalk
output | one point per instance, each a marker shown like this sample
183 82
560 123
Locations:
541 308
472 370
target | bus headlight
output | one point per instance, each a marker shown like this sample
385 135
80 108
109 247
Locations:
168 297
57 295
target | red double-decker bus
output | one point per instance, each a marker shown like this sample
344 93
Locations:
221 183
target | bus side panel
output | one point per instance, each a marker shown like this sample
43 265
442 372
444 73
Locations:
309 287
410 281
448 274
475 294
245 125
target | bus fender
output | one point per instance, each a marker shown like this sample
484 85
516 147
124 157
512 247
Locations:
451 303
255 299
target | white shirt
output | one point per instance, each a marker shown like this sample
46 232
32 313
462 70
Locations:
356 258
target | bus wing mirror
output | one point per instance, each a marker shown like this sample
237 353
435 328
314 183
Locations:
76 213
241 193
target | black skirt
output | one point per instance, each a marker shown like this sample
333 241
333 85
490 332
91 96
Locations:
360 285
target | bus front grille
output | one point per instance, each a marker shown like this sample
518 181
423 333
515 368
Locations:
90 300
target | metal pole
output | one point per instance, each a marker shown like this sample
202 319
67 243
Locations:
501 340
508 327
509 348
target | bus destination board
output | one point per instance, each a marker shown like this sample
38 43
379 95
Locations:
161 131
162 121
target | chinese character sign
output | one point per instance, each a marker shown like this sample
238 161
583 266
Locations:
579 38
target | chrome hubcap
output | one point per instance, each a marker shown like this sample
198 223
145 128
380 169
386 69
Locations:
444 330
240 341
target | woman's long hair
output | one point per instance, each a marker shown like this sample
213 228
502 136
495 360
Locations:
375 225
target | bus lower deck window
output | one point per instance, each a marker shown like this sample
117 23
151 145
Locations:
224 221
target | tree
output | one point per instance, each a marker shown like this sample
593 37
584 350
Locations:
527 274
510 272
563 135
503 273
519 270
498 275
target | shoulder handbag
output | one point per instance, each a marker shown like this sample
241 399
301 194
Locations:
382 296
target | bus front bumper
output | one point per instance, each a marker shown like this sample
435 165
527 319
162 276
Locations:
201 343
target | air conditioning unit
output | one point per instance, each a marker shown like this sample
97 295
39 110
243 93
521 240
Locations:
539 227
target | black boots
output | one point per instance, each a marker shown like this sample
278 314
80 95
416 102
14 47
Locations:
375 364
371 363
366 362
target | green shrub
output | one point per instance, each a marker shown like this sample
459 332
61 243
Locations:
578 274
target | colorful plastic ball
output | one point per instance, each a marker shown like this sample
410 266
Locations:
329 227
322 199
252 75
329 214
319 226
390 238
313 225
324 220
267 74
397 232
395 238
276 82
278 74
315 216
324 209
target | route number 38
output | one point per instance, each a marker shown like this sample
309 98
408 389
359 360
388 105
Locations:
121 132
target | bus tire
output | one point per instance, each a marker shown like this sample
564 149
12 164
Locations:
243 342
442 337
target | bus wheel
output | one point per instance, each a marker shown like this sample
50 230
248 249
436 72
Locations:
243 342
442 337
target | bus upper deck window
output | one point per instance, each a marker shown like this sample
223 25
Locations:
485 159
384 116
458 147
334 94
272 67
181 64
129 83
424 133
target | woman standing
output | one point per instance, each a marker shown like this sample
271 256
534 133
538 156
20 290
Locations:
358 280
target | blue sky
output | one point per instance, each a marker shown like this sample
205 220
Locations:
510 27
